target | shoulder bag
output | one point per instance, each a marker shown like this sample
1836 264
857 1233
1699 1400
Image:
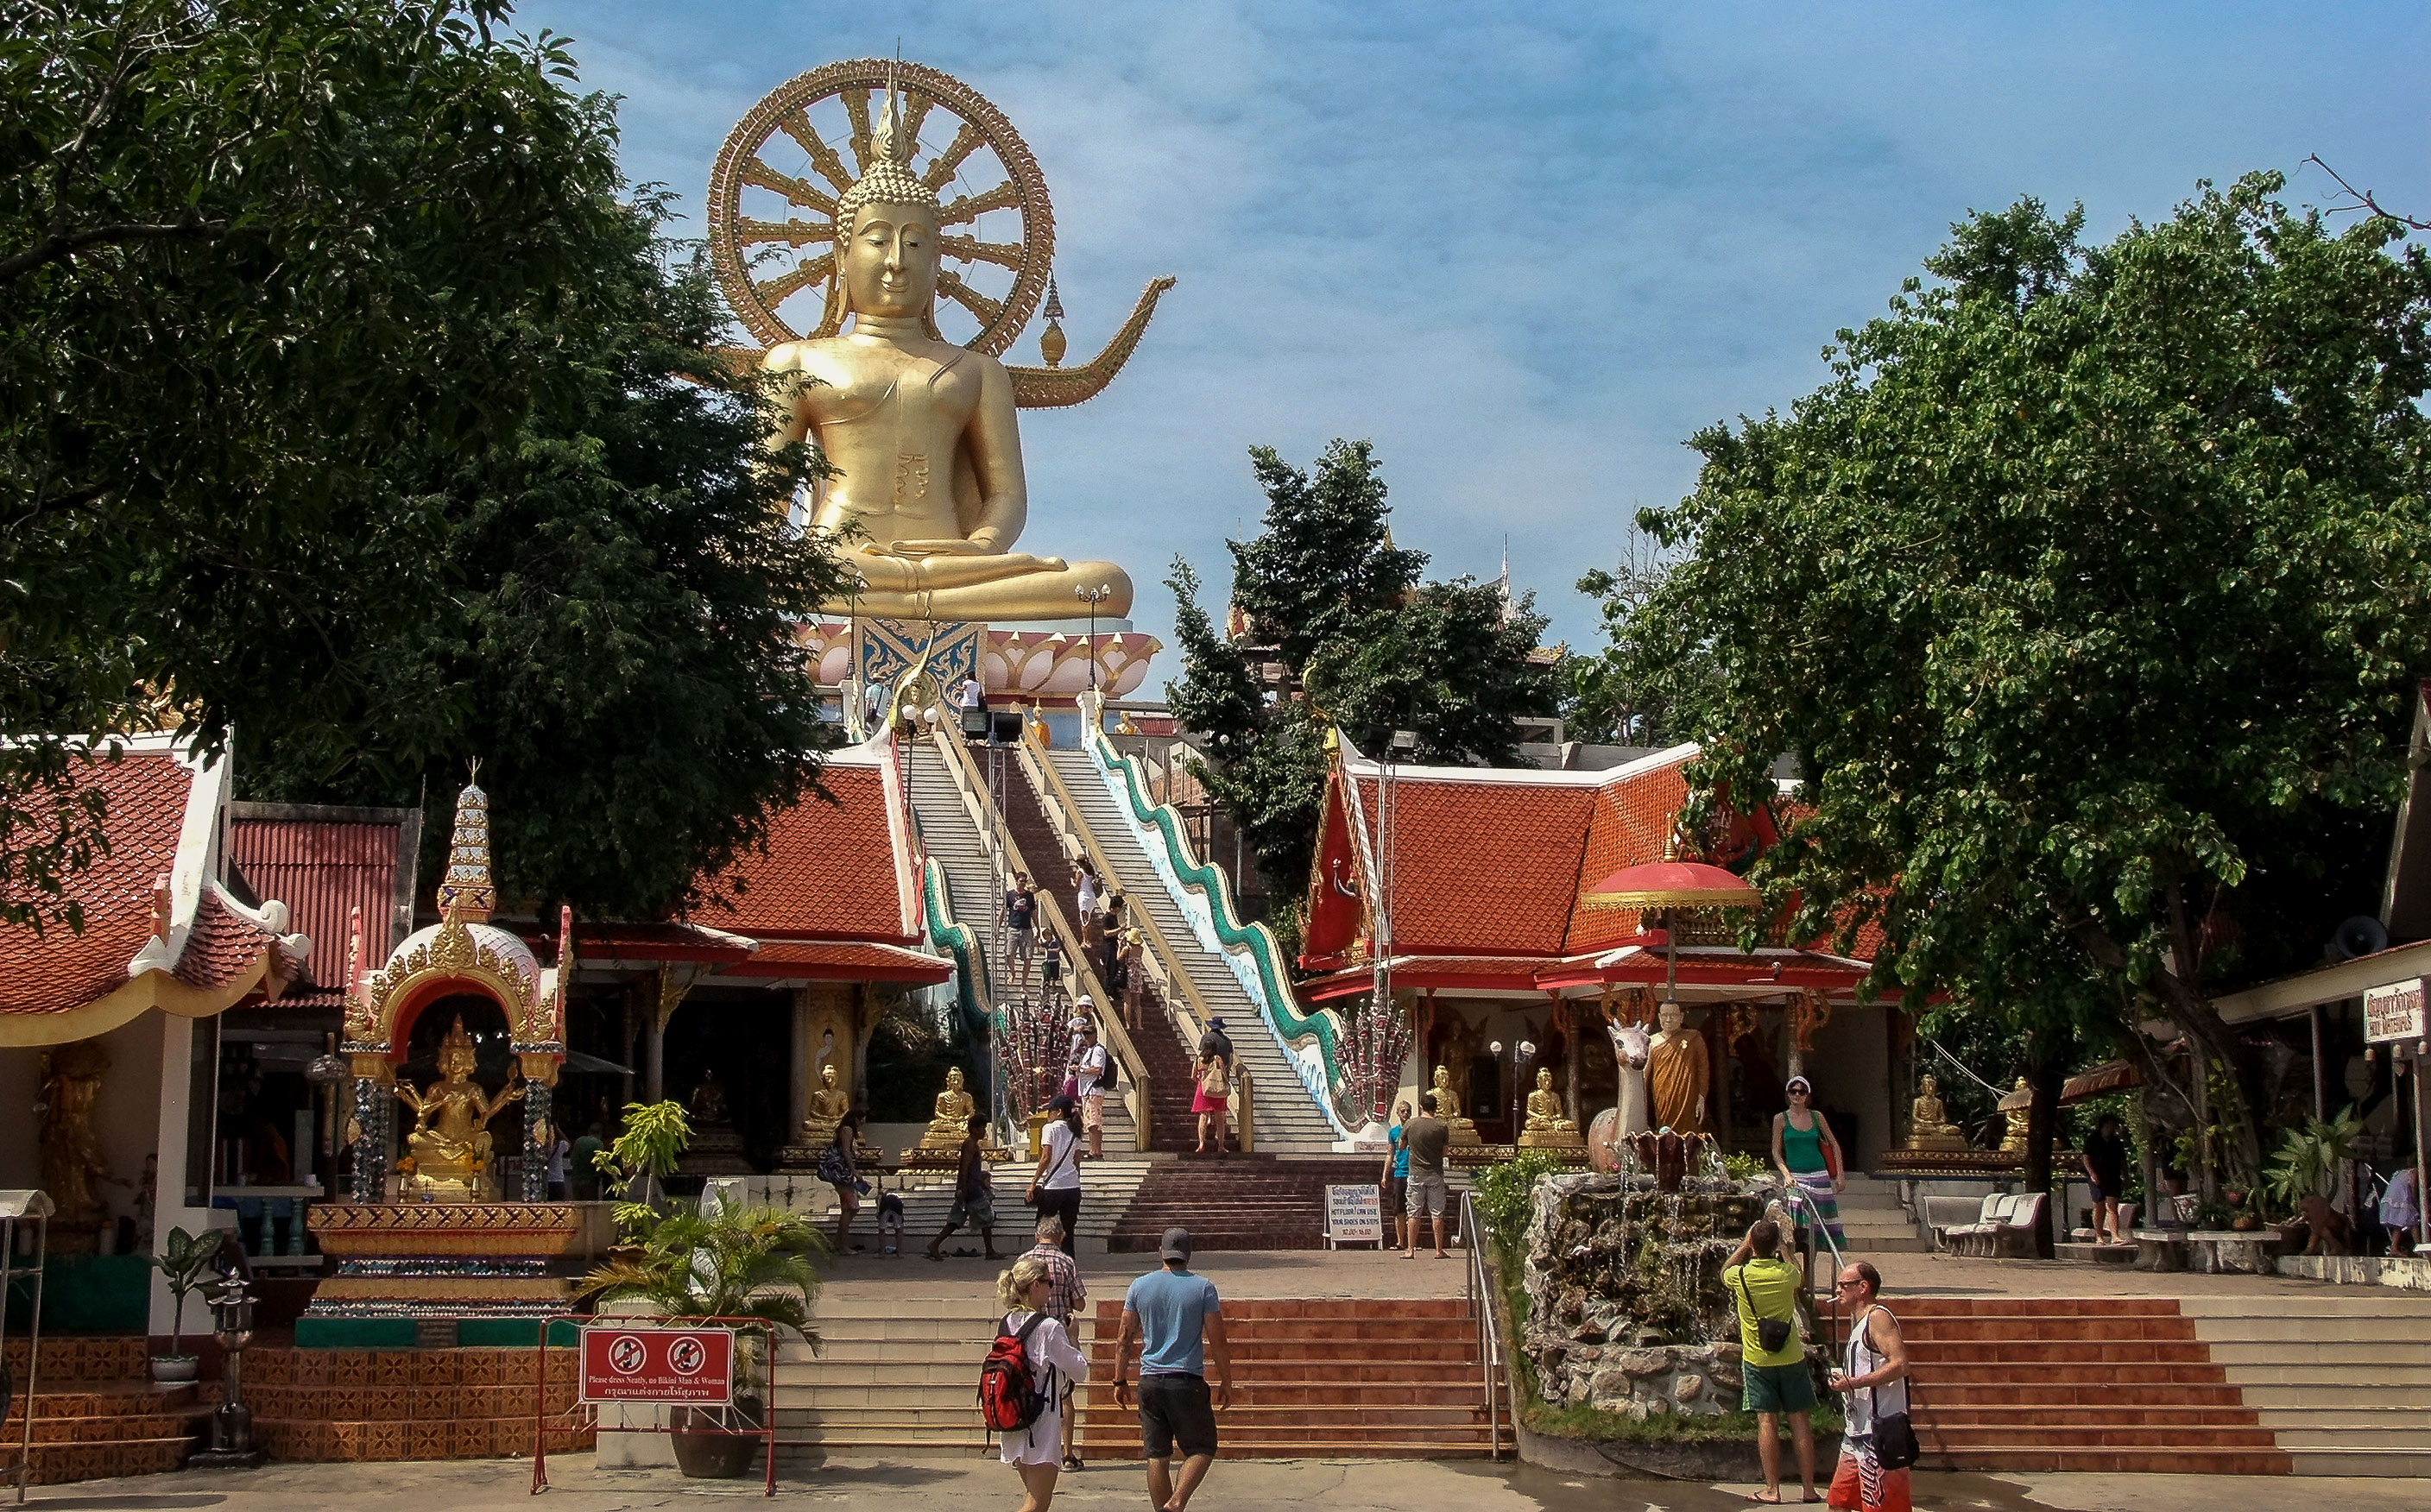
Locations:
1895 1445
1772 1333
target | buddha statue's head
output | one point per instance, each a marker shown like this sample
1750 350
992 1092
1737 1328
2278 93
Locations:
1670 1016
1929 1087
886 235
827 1074
954 1079
1544 1080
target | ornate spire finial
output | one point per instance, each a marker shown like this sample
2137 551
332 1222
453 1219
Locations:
889 179
1052 343
465 892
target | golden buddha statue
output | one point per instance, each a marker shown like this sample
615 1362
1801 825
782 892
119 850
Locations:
828 1105
450 1140
921 431
2014 1142
1928 1122
952 1124
1546 1127
1464 1130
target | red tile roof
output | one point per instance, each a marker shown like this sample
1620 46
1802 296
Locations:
223 946
322 870
828 869
843 963
60 968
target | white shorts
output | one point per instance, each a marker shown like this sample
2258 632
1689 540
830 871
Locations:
1093 1111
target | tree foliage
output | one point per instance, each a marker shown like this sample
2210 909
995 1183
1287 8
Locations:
2089 593
1364 643
339 403
1608 698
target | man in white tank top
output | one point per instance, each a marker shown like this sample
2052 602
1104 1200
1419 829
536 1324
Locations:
1872 1382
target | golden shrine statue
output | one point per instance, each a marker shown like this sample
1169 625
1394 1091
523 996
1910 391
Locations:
72 1170
450 1144
920 430
1928 1122
828 1105
1464 1130
952 1124
1678 1076
1546 1127
2015 1140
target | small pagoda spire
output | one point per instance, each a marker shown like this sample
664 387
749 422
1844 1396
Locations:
466 892
1051 345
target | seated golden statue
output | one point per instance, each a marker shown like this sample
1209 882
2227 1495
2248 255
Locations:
708 1101
1464 1130
921 432
2015 1140
827 1107
450 1142
952 1124
1928 1122
1547 1126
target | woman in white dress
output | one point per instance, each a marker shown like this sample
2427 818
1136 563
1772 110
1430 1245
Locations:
1037 1450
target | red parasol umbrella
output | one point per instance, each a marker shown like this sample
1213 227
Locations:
1670 884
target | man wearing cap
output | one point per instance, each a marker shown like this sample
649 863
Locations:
1175 1320
1089 1067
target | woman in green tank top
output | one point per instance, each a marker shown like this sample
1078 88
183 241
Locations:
1801 1137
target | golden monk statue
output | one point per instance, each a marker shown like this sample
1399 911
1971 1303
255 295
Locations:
1678 1076
921 431
450 1141
1928 1122
2015 1140
828 1105
1546 1127
1464 1129
72 1170
952 1124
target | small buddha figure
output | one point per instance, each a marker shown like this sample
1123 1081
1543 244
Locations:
828 1105
1929 1125
450 1139
952 1123
2014 1142
1547 1126
921 432
708 1101
1464 1130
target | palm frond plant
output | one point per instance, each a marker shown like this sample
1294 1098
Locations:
2308 1161
646 1149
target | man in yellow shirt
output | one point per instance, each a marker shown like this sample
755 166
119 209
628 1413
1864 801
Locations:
1764 1286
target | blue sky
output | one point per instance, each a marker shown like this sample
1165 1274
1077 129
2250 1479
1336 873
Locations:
1524 249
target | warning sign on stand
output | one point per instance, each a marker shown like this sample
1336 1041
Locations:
1353 1216
690 1366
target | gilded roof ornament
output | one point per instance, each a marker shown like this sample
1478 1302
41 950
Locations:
466 892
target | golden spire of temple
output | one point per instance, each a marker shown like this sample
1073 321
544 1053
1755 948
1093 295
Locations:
889 179
465 891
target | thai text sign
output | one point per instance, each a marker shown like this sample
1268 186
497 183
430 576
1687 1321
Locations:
1353 1216
2393 1012
691 1366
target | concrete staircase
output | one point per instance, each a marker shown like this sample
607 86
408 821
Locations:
2112 1384
1344 1378
1106 1189
955 844
96 1413
1288 1117
2341 1378
893 1376
1873 1222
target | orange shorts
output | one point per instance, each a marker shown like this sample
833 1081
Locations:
1849 1490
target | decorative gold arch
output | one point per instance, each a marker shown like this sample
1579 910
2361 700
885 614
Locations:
452 959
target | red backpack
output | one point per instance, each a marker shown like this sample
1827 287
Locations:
1007 1400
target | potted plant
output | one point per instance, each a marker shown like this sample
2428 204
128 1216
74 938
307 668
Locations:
644 1154
741 1262
182 1259
2305 1167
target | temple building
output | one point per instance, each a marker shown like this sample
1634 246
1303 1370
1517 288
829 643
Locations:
1510 966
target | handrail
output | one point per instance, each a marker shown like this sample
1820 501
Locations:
1483 1302
1281 1010
1181 994
993 826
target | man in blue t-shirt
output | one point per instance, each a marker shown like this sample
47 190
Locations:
1175 1320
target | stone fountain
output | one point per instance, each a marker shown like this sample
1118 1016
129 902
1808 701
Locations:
1626 1308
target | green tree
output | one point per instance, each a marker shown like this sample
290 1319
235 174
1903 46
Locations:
1325 594
1606 698
2087 592
338 405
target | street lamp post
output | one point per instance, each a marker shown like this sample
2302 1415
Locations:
1093 597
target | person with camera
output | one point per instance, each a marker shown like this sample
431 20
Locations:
1878 1443
1764 1285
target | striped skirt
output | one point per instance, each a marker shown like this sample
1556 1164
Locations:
1816 1188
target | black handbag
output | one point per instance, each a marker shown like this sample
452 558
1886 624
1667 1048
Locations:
1772 1334
1895 1445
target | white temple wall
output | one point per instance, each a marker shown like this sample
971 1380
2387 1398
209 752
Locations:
1850 1069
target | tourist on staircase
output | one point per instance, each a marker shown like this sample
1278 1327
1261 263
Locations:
1021 928
1093 941
1177 1322
1050 968
1808 1157
1055 1185
974 1194
1428 1193
1093 1073
836 1169
1214 1094
1773 1381
1037 1450
1131 965
1085 888
1878 1442
1065 1299
1392 1187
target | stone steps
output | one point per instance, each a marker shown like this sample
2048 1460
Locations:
96 1414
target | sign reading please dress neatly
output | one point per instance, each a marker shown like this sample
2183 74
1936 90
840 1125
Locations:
691 1366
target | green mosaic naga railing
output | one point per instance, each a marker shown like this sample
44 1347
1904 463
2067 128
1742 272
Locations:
1254 941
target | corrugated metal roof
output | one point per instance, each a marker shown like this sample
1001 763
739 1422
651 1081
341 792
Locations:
321 869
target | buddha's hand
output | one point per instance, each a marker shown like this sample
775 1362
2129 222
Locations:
944 547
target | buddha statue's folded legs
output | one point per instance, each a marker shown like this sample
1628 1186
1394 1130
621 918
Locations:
997 587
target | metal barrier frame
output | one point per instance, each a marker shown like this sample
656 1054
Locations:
1482 1302
587 1413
